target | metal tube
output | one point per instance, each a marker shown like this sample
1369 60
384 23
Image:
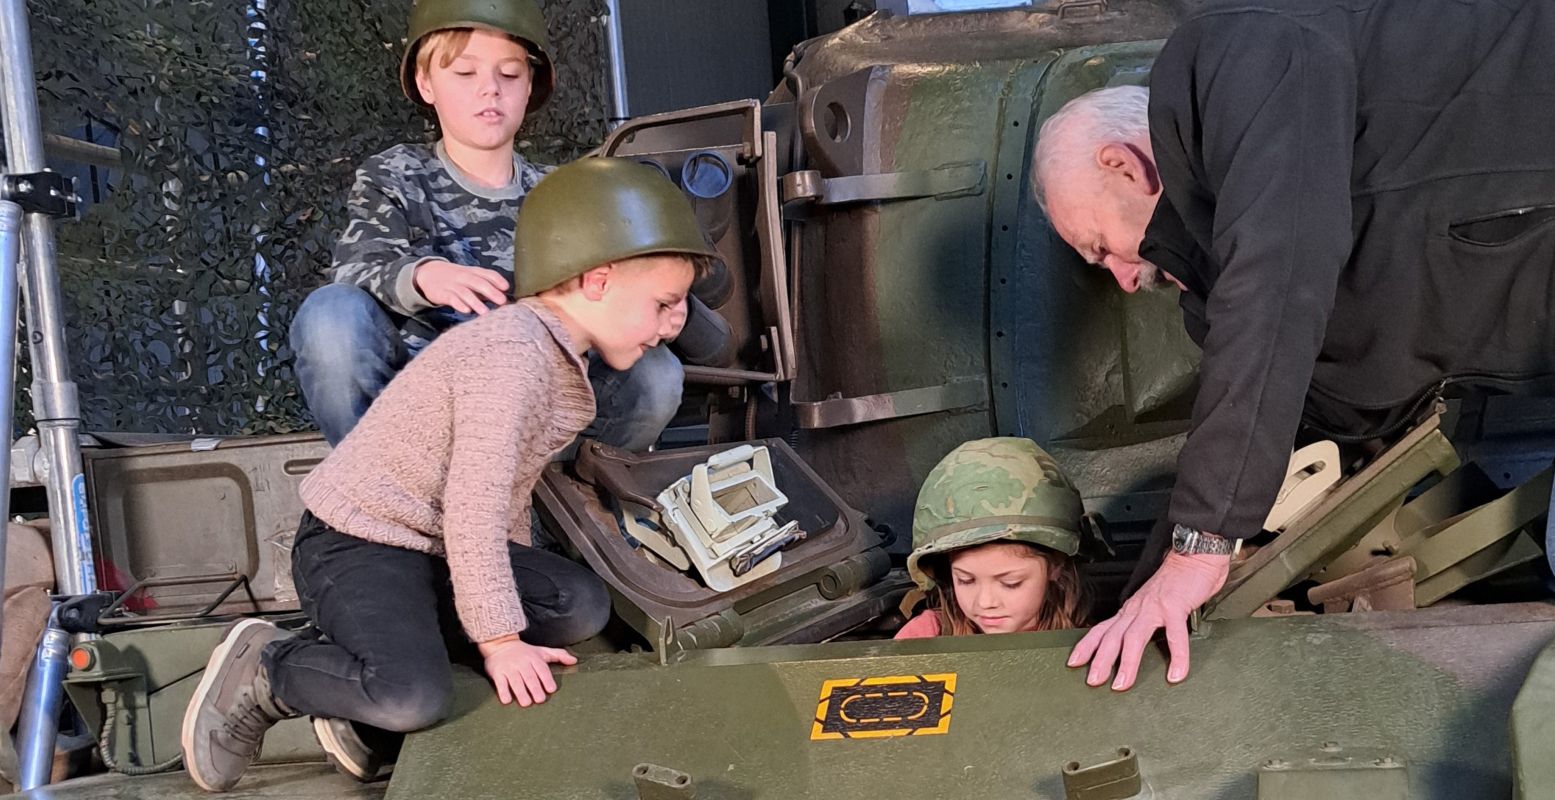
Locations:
10 259
54 399
40 709
615 53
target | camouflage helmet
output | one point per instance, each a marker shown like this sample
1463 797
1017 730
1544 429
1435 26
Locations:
993 489
595 211
517 18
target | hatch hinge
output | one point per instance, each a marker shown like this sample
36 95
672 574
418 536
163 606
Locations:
807 187
837 411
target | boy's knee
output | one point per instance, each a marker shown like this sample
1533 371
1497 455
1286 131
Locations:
591 609
583 613
338 318
659 380
410 708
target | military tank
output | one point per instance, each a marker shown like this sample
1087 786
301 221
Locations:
895 291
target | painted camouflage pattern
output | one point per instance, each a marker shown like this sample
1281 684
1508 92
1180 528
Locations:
994 479
410 205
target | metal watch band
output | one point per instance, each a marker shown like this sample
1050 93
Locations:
1191 541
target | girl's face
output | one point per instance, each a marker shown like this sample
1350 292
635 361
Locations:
1000 586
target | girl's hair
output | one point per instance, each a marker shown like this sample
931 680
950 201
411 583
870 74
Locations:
1067 603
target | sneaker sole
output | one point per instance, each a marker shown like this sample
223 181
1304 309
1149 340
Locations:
208 680
332 745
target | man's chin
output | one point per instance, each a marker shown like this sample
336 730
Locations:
1152 279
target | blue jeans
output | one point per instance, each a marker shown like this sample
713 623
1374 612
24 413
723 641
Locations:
349 347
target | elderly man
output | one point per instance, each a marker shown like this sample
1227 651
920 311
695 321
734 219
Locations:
1357 199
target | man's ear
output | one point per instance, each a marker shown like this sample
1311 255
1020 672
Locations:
1130 165
596 281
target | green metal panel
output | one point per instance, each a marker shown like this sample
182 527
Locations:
1432 687
154 673
1533 731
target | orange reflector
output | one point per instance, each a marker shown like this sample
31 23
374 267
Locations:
81 658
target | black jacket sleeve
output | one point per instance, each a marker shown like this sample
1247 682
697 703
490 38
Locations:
1252 122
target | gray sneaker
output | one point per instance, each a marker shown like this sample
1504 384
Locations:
348 752
231 708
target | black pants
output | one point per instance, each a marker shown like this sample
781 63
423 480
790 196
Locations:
390 632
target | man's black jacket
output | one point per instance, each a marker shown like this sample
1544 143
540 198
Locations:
1360 197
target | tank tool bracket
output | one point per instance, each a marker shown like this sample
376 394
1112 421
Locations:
662 783
1114 779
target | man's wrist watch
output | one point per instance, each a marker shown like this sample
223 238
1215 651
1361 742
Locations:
1191 541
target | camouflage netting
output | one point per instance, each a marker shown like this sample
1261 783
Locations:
240 123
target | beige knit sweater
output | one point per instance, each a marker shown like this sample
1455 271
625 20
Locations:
445 459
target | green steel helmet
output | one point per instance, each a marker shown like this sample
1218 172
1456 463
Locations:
989 490
595 211
518 18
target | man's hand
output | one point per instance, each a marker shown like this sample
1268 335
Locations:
1182 584
522 671
464 289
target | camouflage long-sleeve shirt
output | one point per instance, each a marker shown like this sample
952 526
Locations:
410 204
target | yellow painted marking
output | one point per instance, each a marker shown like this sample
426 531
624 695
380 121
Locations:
839 722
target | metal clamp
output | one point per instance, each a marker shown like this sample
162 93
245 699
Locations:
48 193
83 613
950 180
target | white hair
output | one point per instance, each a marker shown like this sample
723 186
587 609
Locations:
1119 114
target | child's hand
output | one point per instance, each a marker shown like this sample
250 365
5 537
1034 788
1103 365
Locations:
522 671
464 289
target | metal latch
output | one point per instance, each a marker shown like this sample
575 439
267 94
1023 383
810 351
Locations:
1114 779
48 193
950 180
720 519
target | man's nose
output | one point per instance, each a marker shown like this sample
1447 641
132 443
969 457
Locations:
1126 274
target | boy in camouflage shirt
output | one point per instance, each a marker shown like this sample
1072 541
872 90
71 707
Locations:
429 243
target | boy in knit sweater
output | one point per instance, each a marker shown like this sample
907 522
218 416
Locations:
429 242
414 547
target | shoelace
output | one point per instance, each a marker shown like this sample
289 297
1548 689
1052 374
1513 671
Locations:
250 723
